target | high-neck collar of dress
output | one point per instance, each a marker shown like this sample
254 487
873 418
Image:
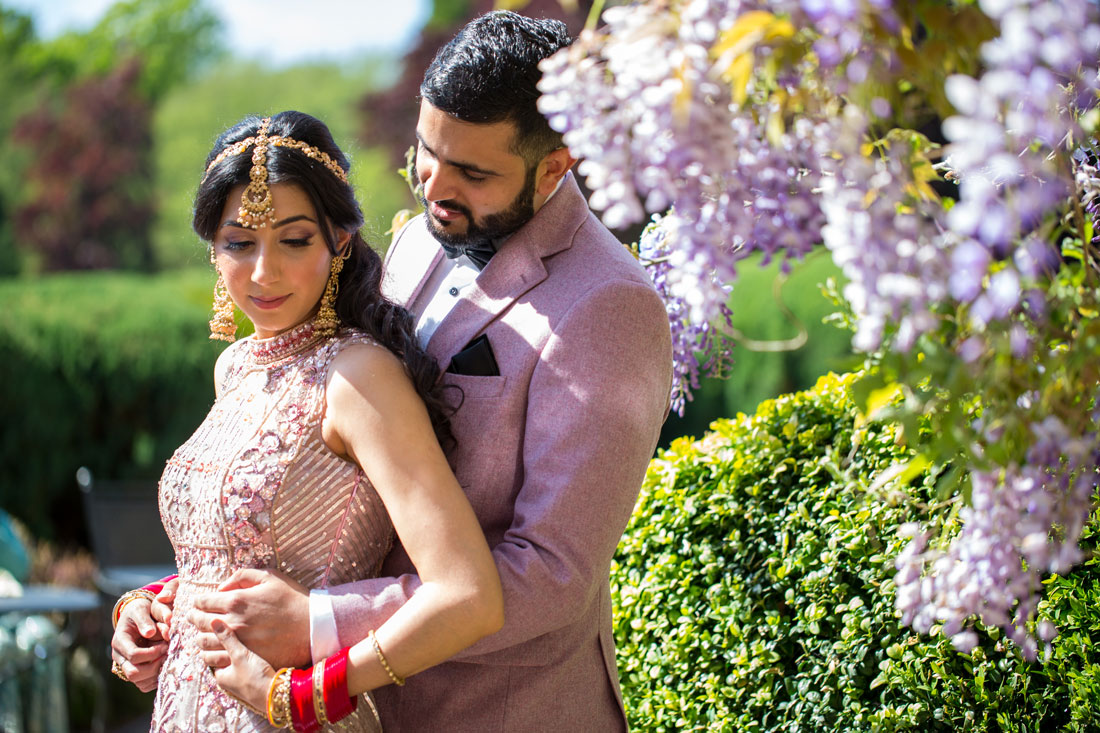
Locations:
286 344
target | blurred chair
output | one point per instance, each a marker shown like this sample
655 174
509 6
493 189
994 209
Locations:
127 535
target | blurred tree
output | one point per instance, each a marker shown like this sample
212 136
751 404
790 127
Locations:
89 205
16 76
75 132
172 38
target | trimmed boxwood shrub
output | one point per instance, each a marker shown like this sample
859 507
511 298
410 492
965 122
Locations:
753 592
108 370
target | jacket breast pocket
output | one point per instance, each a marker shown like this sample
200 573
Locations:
473 388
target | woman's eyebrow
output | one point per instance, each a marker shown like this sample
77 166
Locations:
276 225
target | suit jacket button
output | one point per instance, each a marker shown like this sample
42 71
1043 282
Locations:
453 292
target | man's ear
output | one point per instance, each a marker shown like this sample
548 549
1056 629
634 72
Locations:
551 169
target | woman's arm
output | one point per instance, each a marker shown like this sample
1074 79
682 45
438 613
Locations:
375 418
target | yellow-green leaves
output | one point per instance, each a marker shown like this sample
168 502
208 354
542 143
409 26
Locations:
735 48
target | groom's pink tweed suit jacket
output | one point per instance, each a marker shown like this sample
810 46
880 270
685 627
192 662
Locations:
551 454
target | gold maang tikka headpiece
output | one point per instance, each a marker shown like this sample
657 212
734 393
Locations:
256 206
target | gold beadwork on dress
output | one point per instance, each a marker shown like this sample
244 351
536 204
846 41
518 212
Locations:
257 487
256 205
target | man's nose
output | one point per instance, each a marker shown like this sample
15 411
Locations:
437 185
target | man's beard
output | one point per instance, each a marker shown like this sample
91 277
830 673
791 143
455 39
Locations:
493 227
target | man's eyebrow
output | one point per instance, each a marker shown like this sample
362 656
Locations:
471 167
276 225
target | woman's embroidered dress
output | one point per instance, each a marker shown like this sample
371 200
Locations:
256 487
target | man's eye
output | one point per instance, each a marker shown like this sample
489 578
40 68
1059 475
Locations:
472 176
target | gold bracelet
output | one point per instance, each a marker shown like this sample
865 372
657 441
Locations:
278 699
130 595
319 693
382 658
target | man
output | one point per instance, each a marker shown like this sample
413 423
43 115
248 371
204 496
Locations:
559 346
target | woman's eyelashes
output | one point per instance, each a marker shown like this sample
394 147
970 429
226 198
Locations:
237 245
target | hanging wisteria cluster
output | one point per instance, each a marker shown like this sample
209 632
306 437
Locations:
972 268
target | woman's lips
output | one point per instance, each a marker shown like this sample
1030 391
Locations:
268 303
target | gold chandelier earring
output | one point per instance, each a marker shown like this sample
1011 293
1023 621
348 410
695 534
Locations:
223 327
326 321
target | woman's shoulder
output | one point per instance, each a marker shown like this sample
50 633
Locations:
348 336
351 345
363 374
356 352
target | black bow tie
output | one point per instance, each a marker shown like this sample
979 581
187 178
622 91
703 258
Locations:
479 252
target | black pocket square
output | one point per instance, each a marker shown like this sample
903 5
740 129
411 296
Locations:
476 360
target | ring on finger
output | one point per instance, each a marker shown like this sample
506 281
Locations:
116 669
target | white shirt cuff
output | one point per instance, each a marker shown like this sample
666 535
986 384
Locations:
323 639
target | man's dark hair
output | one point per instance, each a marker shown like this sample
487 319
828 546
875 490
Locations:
488 73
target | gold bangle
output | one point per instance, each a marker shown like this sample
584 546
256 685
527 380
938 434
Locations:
382 658
278 699
319 693
130 595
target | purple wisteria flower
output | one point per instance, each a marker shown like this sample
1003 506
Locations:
893 253
683 287
653 108
1005 141
993 569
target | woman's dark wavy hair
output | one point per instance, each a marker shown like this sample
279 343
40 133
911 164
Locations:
359 301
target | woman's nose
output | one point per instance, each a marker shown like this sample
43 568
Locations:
265 268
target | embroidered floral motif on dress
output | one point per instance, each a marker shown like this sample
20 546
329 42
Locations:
256 487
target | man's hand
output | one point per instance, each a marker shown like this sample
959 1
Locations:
138 646
265 609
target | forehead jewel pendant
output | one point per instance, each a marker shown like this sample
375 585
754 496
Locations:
256 205
257 208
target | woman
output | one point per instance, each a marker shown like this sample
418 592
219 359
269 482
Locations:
319 446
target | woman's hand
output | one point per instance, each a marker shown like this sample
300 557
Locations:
137 646
240 672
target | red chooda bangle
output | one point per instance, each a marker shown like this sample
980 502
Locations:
338 703
302 715
158 585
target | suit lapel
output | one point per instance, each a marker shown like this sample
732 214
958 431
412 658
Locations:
511 273
407 267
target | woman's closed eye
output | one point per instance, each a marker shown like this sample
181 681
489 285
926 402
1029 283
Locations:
297 241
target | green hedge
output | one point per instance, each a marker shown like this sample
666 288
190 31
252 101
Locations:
753 592
108 370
